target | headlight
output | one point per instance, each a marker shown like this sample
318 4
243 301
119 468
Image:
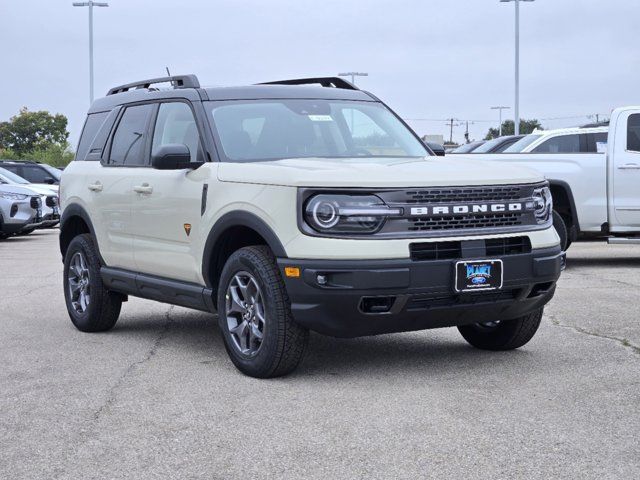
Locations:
13 196
543 204
327 213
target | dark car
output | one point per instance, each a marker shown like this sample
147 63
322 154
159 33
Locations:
33 172
436 148
468 147
498 145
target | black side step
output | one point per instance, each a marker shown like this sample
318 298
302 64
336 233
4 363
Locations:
164 290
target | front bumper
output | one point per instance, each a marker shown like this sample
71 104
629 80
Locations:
369 297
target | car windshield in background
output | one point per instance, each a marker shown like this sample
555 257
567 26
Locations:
467 147
277 129
486 147
521 144
12 177
55 173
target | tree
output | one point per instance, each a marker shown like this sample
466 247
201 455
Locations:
28 132
526 127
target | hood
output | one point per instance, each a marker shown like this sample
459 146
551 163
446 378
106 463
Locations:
23 190
43 188
386 172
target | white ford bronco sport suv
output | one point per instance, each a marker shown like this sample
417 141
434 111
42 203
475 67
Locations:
288 207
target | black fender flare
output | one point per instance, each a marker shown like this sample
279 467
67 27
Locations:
75 210
572 204
238 218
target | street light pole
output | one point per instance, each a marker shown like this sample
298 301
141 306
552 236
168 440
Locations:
500 116
353 76
517 102
90 4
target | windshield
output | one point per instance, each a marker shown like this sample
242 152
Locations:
55 173
275 129
521 144
467 147
11 177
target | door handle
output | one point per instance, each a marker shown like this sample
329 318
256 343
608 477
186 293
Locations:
629 166
95 187
144 188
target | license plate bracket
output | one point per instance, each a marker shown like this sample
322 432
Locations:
478 275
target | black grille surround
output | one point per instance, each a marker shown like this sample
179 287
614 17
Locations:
35 202
429 212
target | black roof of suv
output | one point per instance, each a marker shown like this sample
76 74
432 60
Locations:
188 86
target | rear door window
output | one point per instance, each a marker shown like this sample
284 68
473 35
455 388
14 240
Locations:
129 139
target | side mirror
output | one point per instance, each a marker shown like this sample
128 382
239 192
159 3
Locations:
50 181
173 156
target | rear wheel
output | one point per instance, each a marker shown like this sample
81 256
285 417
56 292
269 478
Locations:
503 335
254 316
91 307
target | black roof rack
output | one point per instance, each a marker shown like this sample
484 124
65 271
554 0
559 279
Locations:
335 82
178 81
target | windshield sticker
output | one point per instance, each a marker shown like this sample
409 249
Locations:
320 118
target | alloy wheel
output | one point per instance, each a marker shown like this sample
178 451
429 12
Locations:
245 313
78 279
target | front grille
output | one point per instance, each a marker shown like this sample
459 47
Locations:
35 202
449 211
466 194
51 201
425 302
493 247
457 222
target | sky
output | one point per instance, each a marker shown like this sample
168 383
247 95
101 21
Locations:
429 60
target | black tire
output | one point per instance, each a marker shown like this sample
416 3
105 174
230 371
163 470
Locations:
103 308
505 335
563 232
283 341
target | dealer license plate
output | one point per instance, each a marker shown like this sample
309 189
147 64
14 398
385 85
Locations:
478 275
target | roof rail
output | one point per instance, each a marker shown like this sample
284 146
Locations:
178 81
334 82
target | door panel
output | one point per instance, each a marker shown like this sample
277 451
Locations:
626 171
110 186
166 203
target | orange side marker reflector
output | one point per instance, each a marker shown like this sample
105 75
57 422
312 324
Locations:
292 272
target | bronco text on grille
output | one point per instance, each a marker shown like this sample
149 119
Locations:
455 210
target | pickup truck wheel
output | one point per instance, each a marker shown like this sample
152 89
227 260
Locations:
503 335
561 227
91 307
254 316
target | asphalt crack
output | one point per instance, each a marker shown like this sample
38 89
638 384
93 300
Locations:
113 391
622 341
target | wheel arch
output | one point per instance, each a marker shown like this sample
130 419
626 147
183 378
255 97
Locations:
231 232
75 221
563 198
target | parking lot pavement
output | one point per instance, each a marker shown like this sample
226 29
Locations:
157 397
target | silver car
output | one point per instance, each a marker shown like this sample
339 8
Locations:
48 194
20 210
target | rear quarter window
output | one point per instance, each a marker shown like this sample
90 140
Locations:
91 128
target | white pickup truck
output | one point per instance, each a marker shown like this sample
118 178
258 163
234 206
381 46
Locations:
594 194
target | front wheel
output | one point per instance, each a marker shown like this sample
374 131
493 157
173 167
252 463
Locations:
563 232
91 307
503 335
254 316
